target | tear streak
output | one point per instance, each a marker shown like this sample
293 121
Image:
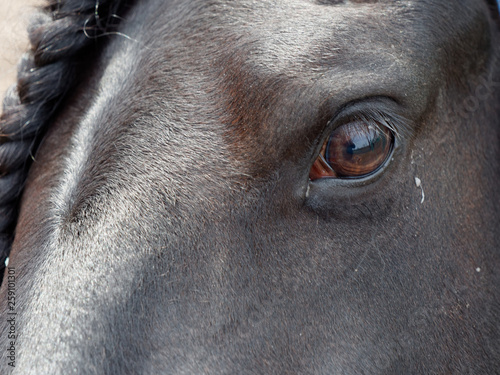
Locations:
418 182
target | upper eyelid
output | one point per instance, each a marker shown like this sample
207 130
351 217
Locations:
373 110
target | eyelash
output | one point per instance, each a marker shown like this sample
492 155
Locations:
395 123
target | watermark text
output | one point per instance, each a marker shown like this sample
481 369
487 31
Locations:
11 316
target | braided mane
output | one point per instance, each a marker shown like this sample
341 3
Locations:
59 36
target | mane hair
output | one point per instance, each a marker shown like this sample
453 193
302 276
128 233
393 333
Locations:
59 37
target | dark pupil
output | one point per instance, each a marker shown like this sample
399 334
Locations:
357 149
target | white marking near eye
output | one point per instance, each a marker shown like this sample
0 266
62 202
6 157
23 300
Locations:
418 182
7 262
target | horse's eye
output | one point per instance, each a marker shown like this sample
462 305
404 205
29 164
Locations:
353 150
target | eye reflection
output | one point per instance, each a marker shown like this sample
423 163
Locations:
353 150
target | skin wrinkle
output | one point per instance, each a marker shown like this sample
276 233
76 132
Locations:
165 226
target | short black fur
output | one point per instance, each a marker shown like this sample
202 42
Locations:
168 224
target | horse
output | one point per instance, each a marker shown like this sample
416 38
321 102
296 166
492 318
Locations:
253 187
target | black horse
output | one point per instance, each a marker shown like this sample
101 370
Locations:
253 187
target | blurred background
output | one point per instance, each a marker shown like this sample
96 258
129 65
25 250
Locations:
13 38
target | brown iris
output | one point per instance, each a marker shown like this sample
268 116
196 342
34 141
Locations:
353 150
